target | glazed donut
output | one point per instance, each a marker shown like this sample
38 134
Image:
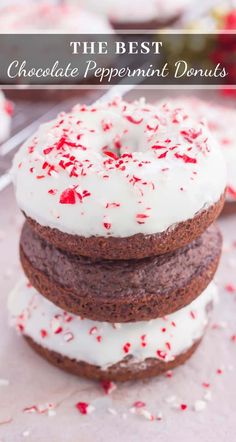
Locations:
6 110
105 350
120 180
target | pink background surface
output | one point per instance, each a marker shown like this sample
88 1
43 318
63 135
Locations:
32 381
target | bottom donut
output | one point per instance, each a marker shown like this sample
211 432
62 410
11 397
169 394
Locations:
102 350
121 372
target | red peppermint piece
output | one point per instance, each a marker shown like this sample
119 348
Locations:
183 407
43 333
112 205
141 217
154 129
106 125
139 404
93 330
107 225
47 151
111 155
143 341
230 288
68 196
168 346
193 314
186 158
32 409
108 386
126 347
82 407
56 326
161 354
132 119
191 134
162 155
52 191
20 327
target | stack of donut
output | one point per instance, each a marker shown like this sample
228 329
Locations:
118 246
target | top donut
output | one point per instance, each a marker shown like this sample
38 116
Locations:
120 180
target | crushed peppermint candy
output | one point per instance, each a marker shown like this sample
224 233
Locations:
40 409
84 407
108 386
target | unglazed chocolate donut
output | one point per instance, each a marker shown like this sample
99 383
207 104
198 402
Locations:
120 180
121 291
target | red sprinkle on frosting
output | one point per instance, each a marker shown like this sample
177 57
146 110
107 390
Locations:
68 196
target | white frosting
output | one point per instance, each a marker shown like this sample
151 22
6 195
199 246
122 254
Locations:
48 17
102 343
166 169
222 122
127 11
5 117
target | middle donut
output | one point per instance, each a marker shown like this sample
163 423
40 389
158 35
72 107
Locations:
120 291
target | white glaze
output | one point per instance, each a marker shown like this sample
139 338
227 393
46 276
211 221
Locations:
77 338
222 122
151 192
5 117
140 11
48 17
